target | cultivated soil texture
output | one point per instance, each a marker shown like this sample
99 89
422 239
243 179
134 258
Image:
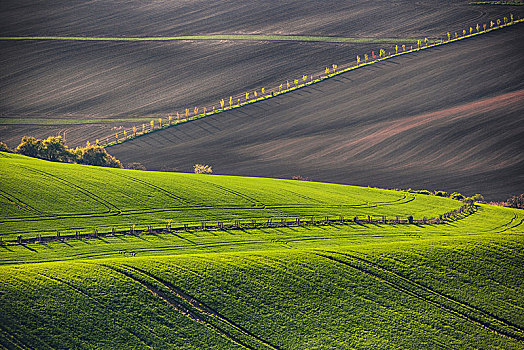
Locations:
446 118
90 89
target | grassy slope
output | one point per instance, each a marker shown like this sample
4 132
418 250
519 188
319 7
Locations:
443 118
454 292
457 285
73 197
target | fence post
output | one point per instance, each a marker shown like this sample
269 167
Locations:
185 227
19 239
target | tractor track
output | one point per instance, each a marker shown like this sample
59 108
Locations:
158 188
179 307
111 207
402 284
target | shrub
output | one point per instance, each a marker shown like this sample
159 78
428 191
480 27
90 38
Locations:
441 194
426 192
96 155
136 166
55 149
410 219
478 198
5 148
202 169
300 178
516 202
457 196
29 146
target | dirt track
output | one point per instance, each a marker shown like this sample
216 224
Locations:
449 118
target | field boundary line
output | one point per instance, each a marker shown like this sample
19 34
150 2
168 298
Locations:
305 81
252 223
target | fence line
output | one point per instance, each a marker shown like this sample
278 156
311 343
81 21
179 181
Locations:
251 223
245 98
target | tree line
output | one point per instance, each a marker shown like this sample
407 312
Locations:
54 149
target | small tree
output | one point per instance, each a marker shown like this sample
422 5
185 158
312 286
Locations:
202 169
29 146
516 202
96 155
4 148
457 196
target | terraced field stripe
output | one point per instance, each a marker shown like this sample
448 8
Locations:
249 37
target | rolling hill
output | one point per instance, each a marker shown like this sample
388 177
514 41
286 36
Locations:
455 285
75 198
84 90
446 118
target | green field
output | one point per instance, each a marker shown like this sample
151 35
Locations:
353 285
73 198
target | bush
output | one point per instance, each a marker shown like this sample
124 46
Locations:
53 148
136 166
441 194
516 202
5 148
30 147
477 198
457 196
300 178
202 169
426 192
96 155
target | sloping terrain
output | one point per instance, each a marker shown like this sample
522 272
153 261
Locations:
455 284
449 291
75 198
447 118
46 86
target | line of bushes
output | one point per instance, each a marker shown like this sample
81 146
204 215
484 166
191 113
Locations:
55 149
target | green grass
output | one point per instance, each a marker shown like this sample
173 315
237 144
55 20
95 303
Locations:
457 285
74 198
449 292
255 37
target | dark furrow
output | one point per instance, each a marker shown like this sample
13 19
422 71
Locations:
15 343
200 306
20 204
449 298
178 306
407 291
233 192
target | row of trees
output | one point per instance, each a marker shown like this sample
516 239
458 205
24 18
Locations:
54 148
231 102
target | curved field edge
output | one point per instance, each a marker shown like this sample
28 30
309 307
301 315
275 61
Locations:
487 220
74 198
457 292
299 83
